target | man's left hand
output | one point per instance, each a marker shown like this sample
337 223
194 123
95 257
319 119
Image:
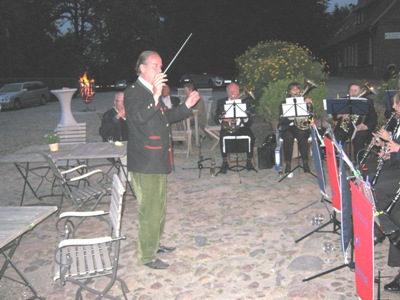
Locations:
192 99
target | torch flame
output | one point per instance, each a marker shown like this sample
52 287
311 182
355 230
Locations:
87 88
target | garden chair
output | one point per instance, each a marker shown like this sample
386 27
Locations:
181 132
71 134
72 187
80 261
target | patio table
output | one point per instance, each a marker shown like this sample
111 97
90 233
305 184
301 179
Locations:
15 221
29 161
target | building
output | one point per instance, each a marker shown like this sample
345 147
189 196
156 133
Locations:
367 44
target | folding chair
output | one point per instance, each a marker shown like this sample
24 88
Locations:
78 195
72 134
181 132
80 261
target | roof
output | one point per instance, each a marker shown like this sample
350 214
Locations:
350 28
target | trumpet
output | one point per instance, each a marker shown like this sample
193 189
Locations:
304 123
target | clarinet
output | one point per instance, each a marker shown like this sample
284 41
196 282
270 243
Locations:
394 236
375 139
394 201
381 159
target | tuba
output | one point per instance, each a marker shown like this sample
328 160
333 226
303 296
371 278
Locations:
365 91
233 124
304 122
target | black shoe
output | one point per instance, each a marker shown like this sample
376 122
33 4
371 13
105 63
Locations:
224 168
165 249
288 168
157 264
249 166
394 286
306 167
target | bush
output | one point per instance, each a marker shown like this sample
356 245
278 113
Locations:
275 93
270 66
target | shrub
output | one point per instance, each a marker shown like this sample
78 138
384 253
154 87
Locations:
270 66
275 93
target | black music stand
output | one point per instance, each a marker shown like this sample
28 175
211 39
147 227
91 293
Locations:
201 159
350 105
293 109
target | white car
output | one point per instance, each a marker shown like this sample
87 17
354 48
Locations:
17 95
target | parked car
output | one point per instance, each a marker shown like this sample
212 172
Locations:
121 85
17 95
204 80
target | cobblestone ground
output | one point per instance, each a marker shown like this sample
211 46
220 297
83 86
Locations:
235 234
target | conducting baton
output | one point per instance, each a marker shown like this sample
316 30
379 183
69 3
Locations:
165 72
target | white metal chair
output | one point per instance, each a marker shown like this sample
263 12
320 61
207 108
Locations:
80 261
78 194
181 132
72 134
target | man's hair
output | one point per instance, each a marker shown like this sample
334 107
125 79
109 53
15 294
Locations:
396 99
190 86
358 83
231 84
116 95
142 60
292 85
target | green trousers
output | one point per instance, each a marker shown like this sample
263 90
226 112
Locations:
151 193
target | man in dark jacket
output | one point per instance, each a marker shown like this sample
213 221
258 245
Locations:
113 123
241 126
149 152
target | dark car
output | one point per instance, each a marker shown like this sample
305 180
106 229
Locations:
17 95
204 80
121 85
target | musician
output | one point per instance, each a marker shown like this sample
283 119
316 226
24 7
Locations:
363 125
289 131
200 105
388 183
244 127
169 101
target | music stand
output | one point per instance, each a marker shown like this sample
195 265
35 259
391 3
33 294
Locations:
350 105
293 108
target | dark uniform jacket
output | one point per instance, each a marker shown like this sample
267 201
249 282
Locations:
111 126
149 150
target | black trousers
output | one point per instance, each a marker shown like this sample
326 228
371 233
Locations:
241 131
288 136
385 190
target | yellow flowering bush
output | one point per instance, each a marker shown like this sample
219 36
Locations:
267 67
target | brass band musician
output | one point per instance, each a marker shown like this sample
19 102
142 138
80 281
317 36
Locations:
241 126
363 125
388 183
290 130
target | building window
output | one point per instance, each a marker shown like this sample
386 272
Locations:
360 17
351 56
370 51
